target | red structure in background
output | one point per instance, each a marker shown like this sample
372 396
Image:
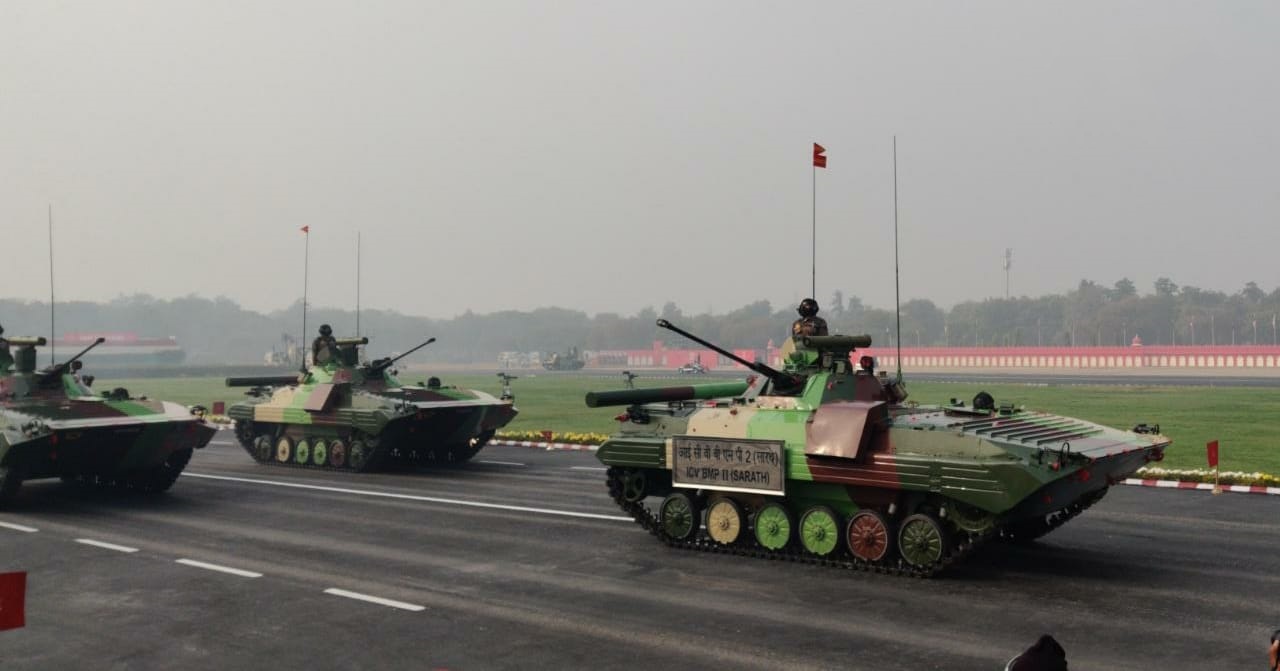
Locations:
1134 356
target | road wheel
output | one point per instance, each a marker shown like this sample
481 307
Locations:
633 485
868 535
320 452
922 541
284 449
679 516
725 522
820 531
262 448
10 482
302 451
358 456
773 526
337 453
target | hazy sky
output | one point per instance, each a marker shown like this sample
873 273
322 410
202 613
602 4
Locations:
615 155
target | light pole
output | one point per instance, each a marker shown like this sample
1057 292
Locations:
1213 331
1193 331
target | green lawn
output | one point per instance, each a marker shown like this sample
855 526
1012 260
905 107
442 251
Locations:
1242 419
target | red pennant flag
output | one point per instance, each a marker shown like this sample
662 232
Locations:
13 597
1212 449
819 161
306 229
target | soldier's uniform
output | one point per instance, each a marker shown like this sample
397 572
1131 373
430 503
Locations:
6 359
809 323
324 348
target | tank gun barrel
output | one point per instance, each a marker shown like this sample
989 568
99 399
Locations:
262 381
779 378
347 342
386 363
601 399
57 368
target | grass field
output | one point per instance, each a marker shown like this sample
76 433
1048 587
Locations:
1243 420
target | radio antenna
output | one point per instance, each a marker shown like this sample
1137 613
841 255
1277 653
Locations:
897 286
53 338
357 284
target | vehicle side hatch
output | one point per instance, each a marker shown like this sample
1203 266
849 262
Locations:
843 429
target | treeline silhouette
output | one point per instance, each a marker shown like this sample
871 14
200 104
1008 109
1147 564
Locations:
218 330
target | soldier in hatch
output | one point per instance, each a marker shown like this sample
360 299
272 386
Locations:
325 347
809 323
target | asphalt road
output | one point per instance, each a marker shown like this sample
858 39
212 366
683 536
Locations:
519 561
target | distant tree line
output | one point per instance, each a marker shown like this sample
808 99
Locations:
218 330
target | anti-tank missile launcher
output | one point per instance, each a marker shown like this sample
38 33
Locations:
823 461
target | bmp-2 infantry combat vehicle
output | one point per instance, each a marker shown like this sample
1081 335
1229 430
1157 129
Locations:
343 415
823 461
53 425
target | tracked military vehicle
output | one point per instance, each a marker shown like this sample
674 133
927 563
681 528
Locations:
571 359
52 424
824 461
343 415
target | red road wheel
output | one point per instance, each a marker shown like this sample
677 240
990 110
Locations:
337 453
868 535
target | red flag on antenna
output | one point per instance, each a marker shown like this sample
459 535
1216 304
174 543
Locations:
306 229
1212 452
13 596
819 161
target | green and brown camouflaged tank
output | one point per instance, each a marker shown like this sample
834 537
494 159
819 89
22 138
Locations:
53 425
344 415
824 462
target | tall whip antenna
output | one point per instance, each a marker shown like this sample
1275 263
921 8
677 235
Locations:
357 284
53 338
306 260
897 285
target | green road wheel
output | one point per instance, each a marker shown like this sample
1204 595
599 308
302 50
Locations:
302 451
679 516
633 485
970 519
922 541
868 535
358 455
284 449
773 526
337 453
820 531
724 521
320 452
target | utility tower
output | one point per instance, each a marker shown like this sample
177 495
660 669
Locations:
1008 264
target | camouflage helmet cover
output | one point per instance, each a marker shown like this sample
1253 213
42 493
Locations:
808 307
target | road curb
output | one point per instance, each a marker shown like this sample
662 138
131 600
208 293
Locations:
545 446
1179 484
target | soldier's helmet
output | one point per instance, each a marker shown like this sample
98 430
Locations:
808 308
325 330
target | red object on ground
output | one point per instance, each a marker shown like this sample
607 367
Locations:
1212 449
13 597
219 408
819 161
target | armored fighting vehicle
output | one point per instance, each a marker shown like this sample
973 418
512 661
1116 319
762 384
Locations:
341 414
823 461
52 424
569 360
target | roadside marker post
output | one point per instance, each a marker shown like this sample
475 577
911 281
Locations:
13 597
1211 452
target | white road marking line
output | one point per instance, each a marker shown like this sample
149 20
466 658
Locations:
18 527
374 599
109 546
223 569
588 468
411 497
500 463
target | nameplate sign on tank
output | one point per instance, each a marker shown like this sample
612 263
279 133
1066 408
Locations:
727 464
